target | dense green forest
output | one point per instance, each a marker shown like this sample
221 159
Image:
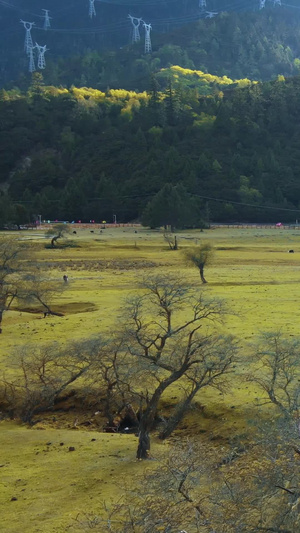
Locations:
190 133
84 154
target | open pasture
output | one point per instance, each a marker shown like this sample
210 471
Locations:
252 272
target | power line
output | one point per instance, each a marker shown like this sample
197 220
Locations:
222 200
203 197
122 25
142 3
236 6
19 9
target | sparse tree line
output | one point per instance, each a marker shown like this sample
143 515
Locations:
23 282
244 484
168 336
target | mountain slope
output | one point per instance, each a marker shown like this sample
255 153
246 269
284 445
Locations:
257 45
84 154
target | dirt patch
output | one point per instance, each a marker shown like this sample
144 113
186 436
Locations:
95 265
63 309
250 283
231 248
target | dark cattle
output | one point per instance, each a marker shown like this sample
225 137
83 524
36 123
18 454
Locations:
75 232
291 251
65 278
91 231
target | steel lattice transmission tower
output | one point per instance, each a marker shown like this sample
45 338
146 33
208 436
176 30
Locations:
92 10
276 2
41 58
46 19
136 22
202 5
262 4
148 46
31 66
28 39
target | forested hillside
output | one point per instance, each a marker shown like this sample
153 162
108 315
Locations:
240 44
83 154
194 125
259 46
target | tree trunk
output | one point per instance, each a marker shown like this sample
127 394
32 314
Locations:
48 311
175 243
176 418
143 450
148 416
53 241
108 413
201 269
1 316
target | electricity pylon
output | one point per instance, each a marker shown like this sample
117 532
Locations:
135 30
41 58
31 67
46 19
148 46
92 10
28 39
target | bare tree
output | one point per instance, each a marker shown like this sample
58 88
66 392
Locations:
117 517
172 502
216 357
196 488
200 257
259 490
58 231
162 501
169 346
171 240
12 258
277 372
42 374
243 487
41 290
21 281
112 377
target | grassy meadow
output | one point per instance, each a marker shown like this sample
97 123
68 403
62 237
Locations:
43 486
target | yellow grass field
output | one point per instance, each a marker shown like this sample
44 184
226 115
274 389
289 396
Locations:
252 271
